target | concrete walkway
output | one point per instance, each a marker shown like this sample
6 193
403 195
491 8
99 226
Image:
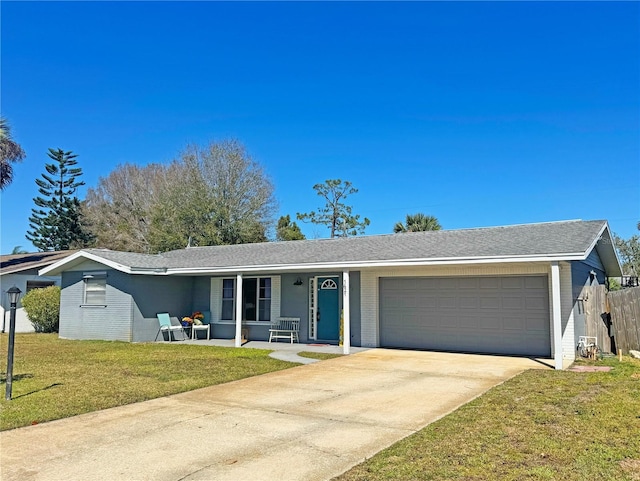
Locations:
285 351
310 422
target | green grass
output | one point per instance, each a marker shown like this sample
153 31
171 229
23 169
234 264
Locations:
322 356
541 425
55 378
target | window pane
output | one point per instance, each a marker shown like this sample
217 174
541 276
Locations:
31 285
95 291
265 288
227 288
249 299
227 310
265 309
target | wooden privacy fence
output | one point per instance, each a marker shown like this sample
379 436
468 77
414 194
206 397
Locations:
598 322
624 307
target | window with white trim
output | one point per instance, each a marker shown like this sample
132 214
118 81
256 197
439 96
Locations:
256 299
228 297
95 289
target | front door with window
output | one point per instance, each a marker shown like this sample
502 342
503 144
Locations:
328 310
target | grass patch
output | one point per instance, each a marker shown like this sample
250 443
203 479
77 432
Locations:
541 425
318 355
56 378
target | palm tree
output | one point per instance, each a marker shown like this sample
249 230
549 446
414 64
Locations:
417 223
10 151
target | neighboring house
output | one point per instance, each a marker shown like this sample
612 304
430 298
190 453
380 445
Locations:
21 270
506 290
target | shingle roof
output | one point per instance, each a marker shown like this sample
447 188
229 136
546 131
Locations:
553 239
21 262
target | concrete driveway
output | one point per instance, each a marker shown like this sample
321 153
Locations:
310 422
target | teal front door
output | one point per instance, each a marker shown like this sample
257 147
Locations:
328 311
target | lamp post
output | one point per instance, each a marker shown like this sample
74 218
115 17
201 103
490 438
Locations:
14 294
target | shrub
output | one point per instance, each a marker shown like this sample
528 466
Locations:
43 308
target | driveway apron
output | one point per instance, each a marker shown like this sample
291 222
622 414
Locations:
310 422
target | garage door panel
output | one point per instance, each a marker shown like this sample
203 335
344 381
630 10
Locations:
490 303
535 282
514 324
536 303
425 302
447 283
504 315
447 302
469 303
511 282
468 283
509 302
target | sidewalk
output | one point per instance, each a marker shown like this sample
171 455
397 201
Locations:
285 351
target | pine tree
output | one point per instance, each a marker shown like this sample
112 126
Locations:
287 230
56 221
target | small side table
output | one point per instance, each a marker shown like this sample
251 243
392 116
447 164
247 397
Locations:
200 327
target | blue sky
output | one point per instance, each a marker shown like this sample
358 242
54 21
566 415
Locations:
478 113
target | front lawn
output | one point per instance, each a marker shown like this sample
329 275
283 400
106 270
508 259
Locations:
55 378
541 425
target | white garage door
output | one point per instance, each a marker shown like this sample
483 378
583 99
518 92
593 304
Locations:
503 315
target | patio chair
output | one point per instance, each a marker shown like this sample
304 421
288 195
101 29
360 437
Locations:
165 325
205 326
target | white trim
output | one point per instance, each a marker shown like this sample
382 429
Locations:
238 295
280 268
312 308
88 255
346 314
276 296
215 299
376 264
556 315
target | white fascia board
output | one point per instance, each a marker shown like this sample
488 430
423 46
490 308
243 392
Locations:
605 228
364 264
73 259
604 237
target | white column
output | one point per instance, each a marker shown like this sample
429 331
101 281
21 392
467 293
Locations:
238 310
346 313
556 315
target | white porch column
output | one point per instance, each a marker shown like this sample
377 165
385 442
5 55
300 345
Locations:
238 342
556 315
346 326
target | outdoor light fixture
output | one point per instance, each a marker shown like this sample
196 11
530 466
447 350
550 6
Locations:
14 295
298 282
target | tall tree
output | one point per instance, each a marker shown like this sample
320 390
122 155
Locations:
120 209
335 214
237 198
209 196
57 221
417 223
10 153
629 253
287 230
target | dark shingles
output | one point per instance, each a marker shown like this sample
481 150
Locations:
546 239
21 262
